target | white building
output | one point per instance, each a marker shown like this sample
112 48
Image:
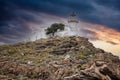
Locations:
73 24
71 28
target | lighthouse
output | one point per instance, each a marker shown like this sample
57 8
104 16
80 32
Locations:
73 24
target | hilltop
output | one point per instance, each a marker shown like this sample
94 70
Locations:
57 58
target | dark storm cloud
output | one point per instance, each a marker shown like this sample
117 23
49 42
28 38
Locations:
16 14
114 4
55 7
107 13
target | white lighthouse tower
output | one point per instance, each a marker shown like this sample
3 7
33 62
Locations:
73 24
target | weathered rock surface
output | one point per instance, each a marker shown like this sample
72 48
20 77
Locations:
57 58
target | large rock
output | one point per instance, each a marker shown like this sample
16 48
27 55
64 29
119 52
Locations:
101 70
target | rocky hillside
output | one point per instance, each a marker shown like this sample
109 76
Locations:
57 58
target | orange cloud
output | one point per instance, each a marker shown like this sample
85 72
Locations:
105 38
104 33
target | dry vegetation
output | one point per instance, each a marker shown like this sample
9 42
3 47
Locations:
56 58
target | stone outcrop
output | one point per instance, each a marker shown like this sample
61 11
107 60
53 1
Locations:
57 58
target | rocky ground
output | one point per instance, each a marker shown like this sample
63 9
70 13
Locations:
57 58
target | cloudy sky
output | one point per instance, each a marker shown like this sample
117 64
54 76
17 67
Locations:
98 20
